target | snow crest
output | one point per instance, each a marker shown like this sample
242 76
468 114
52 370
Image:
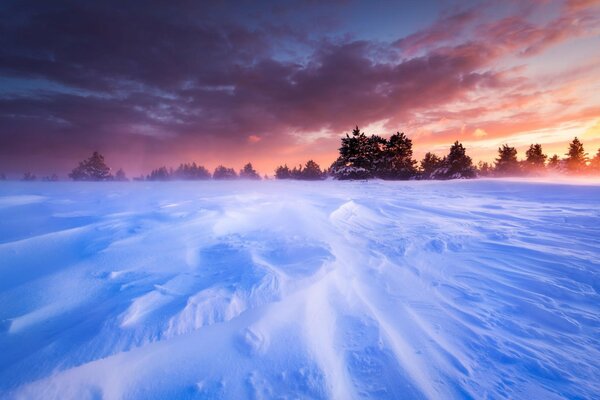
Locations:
332 290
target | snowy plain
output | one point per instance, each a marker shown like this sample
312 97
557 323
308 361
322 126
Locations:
340 290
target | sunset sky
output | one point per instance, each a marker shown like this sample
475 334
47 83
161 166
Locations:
151 83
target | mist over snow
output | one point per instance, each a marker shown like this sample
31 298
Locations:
314 290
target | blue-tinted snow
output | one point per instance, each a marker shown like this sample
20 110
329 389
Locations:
470 289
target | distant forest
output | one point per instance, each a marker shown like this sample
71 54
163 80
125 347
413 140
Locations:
368 157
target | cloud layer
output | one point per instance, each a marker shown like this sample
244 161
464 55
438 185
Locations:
160 82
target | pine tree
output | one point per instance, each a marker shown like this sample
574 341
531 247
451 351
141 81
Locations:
92 169
283 172
429 165
536 159
312 172
457 164
356 157
554 163
484 169
397 158
224 173
507 163
248 172
576 157
191 172
159 174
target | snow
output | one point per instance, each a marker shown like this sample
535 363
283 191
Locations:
283 289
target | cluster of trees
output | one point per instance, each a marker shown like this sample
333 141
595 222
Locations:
366 157
311 171
198 172
536 162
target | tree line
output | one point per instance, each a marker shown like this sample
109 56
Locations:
367 157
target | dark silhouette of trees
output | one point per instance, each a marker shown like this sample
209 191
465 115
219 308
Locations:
554 163
310 172
484 169
457 164
191 172
28 177
430 164
92 169
224 173
536 159
595 164
576 157
283 172
159 174
248 172
397 158
507 163
357 156
120 175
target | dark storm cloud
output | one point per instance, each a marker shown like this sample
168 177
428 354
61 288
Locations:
173 73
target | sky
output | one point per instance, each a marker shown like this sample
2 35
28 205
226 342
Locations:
151 83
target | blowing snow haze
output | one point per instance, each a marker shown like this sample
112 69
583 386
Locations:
150 83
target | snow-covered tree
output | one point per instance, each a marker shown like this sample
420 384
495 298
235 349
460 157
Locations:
248 172
430 164
507 163
358 156
224 173
92 169
576 157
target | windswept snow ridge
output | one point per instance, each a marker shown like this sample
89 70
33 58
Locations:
333 290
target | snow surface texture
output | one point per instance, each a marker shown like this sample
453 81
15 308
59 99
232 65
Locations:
342 290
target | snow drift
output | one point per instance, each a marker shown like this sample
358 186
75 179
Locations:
471 289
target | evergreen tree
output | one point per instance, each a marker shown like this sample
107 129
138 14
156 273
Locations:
507 163
536 159
397 158
458 165
312 172
356 160
430 164
248 172
191 172
283 172
224 173
554 163
120 175
159 174
92 169
484 169
576 157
